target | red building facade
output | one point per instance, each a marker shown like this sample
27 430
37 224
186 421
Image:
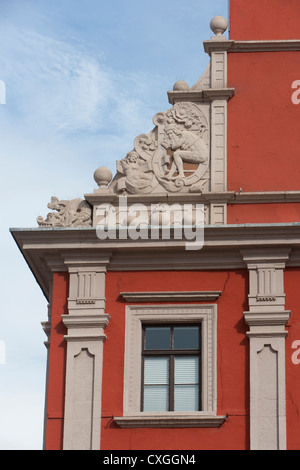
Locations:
229 147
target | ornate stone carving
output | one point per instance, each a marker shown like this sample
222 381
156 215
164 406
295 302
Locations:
174 157
74 213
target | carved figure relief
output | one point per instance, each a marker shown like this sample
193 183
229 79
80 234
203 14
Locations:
174 157
74 213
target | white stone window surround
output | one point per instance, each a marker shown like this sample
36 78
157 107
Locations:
135 317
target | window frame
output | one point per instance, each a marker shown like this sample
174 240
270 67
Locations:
171 354
135 317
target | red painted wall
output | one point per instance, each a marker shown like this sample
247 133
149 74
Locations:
263 213
57 364
263 122
292 282
264 19
233 394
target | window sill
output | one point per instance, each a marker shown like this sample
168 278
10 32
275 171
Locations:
170 420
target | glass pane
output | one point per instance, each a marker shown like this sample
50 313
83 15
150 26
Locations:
187 370
186 398
156 370
186 337
158 337
156 398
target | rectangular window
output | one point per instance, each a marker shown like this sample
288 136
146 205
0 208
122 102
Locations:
171 368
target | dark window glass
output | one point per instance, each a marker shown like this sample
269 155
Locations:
186 337
158 338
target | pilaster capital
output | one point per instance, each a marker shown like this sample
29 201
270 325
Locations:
267 314
261 257
84 261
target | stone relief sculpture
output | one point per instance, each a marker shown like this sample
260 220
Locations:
187 148
172 158
136 171
74 213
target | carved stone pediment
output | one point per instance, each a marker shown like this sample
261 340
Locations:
173 157
183 160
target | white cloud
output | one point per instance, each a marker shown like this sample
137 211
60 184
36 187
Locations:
58 87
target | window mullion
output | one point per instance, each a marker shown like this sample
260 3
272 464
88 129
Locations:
142 383
171 383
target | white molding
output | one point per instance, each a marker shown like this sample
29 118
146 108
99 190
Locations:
135 317
265 46
170 296
266 197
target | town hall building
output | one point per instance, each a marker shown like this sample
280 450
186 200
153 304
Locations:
174 317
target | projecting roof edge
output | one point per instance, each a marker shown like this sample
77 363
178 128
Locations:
48 250
90 229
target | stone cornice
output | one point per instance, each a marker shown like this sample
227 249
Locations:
65 240
242 197
222 249
216 45
265 46
184 198
265 197
252 46
204 96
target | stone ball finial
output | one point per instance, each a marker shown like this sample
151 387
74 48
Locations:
180 85
218 25
103 176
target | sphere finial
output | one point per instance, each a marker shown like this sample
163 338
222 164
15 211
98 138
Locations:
103 176
180 85
218 25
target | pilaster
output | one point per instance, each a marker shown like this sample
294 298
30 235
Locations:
85 322
267 318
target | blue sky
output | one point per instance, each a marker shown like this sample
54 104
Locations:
83 79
